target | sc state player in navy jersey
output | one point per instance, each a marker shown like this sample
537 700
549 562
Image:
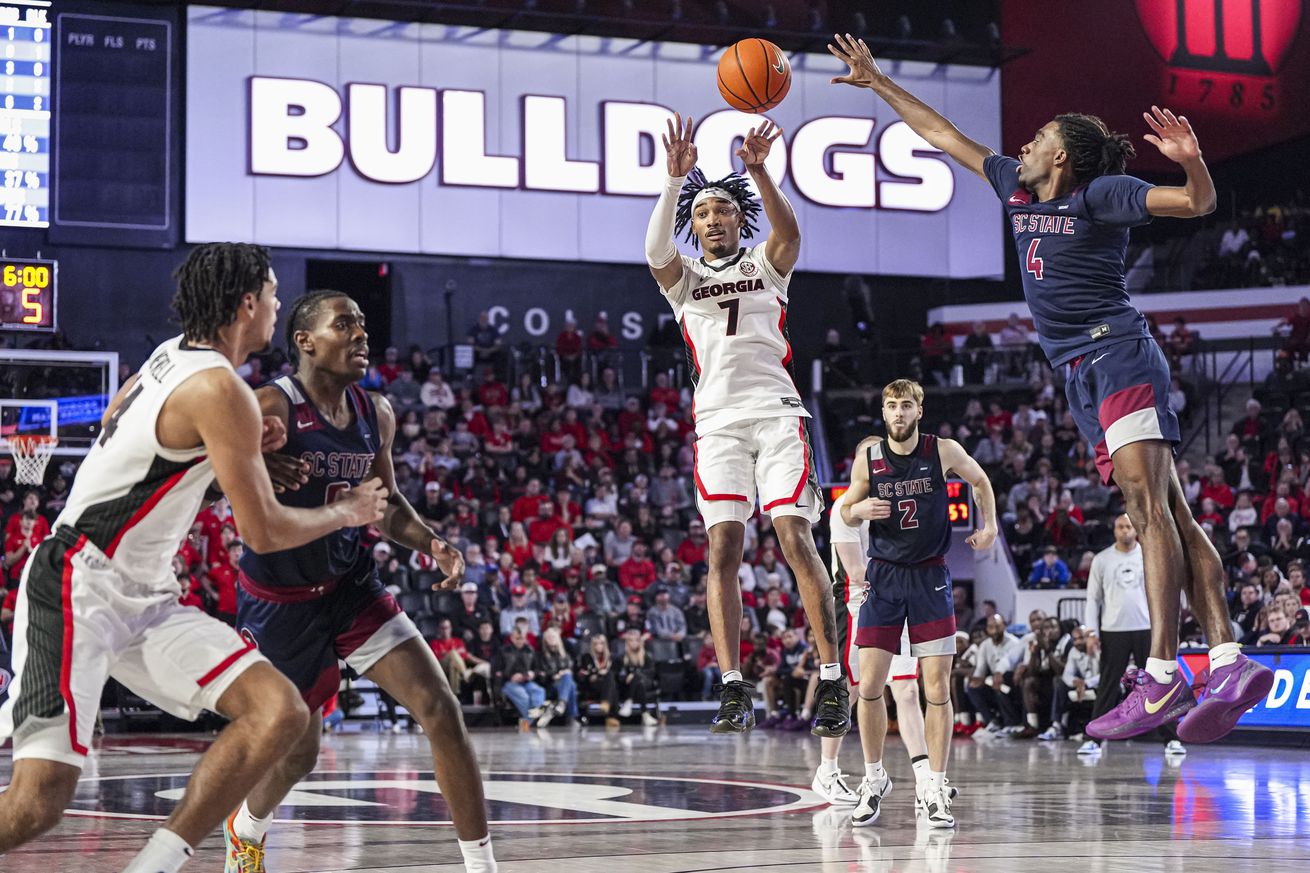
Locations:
310 606
1069 206
898 485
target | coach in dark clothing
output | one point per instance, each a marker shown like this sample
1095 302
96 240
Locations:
469 614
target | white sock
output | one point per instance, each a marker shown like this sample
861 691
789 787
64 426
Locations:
829 671
478 857
731 676
249 828
1224 654
921 771
1161 671
937 780
165 852
1032 720
828 766
874 771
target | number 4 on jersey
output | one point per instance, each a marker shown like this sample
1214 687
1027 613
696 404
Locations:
1034 262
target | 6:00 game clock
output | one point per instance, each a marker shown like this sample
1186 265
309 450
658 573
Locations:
28 292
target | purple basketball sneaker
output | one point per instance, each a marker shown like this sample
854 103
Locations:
1149 705
1229 692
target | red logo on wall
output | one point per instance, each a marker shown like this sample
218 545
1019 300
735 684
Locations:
1244 37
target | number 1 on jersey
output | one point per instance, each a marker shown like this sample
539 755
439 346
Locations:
1034 262
733 306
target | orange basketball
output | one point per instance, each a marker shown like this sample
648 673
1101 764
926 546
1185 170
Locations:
754 75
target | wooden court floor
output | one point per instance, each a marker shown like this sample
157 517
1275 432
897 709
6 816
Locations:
677 800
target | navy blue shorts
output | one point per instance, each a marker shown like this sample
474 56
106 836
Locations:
1119 394
306 632
919 594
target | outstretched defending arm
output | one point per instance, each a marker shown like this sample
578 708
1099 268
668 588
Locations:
922 118
783 247
661 253
1176 140
956 459
400 522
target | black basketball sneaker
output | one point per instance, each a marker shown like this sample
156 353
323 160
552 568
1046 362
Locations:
736 709
832 708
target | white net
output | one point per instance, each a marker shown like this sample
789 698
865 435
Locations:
31 454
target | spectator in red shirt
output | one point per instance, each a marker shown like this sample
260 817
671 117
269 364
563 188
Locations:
541 529
560 614
553 439
1248 429
638 572
390 367
185 581
517 546
212 519
568 346
20 545
526 508
1218 490
453 655
694 548
661 392
567 510
600 339
492 393
631 416
223 583
1298 336
32 503
998 417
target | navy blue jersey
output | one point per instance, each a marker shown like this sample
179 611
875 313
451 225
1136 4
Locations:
1071 257
338 459
919 528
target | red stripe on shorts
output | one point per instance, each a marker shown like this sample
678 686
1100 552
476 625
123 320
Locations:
225 663
1125 402
805 473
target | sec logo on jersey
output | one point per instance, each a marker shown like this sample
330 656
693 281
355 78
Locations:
747 268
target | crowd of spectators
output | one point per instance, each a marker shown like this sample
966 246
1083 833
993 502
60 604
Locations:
1264 246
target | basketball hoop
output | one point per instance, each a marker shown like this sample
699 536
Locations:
31 454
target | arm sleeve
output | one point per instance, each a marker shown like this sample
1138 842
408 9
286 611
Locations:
660 250
1118 201
1003 173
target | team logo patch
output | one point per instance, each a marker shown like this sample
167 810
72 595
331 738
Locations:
747 268
408 797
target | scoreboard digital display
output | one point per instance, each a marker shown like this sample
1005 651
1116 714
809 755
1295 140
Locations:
28 294
25 113
960 504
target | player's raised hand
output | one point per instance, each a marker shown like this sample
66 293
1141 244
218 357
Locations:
1173 135
450 561
274 435
855 54
678 147
364 504
755 147
982 539
872 509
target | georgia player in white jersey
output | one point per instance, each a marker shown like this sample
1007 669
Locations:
751 432
99 599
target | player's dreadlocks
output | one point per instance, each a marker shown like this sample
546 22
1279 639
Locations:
1092 148
303 313
211 283
738 191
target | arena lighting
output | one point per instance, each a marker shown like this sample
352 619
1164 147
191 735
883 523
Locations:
290 134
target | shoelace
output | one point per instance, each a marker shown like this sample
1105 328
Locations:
250 858
734 699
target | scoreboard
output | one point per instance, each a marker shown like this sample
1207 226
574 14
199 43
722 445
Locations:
25 113
29 292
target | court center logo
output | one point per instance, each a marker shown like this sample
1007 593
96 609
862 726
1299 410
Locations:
412 798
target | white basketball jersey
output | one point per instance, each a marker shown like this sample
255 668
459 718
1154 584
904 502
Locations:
133 499
733 314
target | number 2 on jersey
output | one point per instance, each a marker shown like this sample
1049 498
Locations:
907 509
1034 262
733 306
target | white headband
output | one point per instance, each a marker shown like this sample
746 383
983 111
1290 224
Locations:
708 193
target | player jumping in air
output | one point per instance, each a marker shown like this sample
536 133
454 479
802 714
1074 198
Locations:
99 598
898 485
310 606
1069 206
750 423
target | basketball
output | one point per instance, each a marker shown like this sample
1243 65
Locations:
754 75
